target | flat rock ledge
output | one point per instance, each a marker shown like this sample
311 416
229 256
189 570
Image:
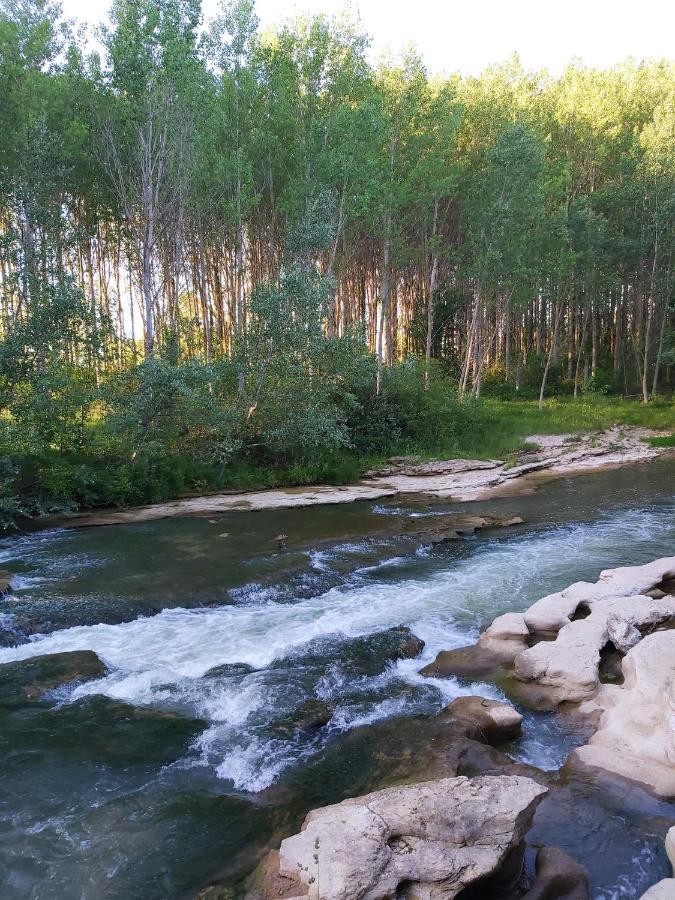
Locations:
551 653
456 479
425 841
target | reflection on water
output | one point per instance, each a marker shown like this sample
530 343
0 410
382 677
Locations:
221 638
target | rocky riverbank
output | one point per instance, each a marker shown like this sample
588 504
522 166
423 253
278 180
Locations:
460 480
464 831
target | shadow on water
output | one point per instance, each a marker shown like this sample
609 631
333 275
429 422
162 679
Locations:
179 762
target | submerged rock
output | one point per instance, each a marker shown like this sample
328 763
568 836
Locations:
452 528
29 680
431 839
635 736
310 715
559 877
5 582
366 655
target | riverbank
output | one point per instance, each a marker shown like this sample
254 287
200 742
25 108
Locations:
197 750
434 838
461 480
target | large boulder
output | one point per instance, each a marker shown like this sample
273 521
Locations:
635 736
496 647
429 840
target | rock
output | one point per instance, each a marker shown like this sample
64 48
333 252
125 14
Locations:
368 655
409 645
268 882
635 736
229 670
670 846
559 877
465 662
309 716
433 839
554 611
568 667
5 582
497 646
621 633
507 635
554 647
29 680
664 890
217 892
484 720
453 528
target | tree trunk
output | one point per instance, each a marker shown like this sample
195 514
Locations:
551 353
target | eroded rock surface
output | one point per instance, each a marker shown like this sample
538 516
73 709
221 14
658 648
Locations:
427 840
553 649
452 528
497 647
635 736
569 666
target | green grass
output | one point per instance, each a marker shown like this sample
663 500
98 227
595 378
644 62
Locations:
665 441
508 423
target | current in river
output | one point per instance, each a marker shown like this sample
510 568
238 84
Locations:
179 767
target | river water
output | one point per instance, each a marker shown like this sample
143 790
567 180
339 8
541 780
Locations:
178 767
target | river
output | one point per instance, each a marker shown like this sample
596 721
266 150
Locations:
178 767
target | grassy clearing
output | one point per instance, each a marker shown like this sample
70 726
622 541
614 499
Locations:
513 421
505 425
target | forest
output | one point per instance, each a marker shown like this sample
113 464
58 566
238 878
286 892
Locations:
235 257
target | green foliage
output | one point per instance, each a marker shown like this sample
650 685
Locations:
206 235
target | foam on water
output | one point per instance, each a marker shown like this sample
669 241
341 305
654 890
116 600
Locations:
161 660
